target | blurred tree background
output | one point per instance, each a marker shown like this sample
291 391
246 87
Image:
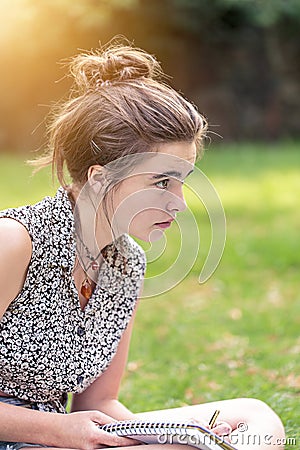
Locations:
238 60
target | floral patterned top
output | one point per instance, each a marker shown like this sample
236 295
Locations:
49 346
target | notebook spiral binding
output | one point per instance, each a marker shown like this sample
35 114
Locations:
168 433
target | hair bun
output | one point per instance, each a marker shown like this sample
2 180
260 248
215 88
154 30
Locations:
115 63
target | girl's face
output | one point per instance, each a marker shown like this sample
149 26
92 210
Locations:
147 201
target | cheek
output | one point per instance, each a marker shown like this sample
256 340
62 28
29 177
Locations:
141 204
144 218
142 227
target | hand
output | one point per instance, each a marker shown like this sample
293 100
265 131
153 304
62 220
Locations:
222 429
80 430
201 423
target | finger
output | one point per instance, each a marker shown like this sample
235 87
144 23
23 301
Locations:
101 418
201 423
107 438
222 429
224 435
113 440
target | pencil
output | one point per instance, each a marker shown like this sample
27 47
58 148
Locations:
214 418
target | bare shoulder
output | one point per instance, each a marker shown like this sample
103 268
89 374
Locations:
14 237
15 255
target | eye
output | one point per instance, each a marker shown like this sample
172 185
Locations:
163 184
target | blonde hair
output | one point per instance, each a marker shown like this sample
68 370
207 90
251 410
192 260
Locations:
119 105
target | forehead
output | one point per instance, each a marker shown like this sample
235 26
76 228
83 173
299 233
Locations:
181 150
176 157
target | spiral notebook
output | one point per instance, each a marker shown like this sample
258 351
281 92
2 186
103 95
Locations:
169 433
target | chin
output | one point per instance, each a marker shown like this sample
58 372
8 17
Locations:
152 236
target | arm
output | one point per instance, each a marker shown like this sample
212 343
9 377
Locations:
102 394
78 430
15 244
15 254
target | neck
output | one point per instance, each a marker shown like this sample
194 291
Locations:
91 222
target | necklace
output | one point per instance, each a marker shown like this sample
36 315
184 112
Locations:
86 288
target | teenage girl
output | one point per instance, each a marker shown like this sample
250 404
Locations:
70 275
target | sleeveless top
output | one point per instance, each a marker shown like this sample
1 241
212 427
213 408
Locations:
48 345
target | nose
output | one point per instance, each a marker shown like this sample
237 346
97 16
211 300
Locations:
177 202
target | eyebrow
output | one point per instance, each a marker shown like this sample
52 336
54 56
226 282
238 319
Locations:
170 173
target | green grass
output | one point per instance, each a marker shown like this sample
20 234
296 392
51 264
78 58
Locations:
238 334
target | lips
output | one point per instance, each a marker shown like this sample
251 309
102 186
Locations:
165 224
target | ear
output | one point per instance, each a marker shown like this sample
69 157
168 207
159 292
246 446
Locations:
96 178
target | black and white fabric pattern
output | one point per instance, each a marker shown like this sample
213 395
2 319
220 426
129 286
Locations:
48 345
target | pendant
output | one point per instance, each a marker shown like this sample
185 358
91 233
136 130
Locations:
86 289
95 265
